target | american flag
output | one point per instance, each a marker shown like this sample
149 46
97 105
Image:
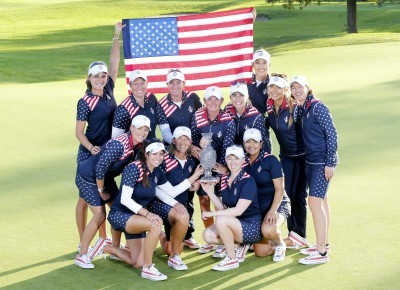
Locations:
211 49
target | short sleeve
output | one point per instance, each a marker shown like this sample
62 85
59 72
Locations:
83 111
130 175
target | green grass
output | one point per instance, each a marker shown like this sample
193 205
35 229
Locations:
356 76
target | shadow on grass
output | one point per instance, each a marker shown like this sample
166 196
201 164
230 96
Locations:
253 272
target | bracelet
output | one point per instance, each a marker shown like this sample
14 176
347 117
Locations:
147 213
101 190
116 36
91 149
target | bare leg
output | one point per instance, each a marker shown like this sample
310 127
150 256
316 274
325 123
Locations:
81 216
180 223
206 206
320 221
98 218
229 230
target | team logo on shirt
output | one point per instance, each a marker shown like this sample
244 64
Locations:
308 115
190 109
219 134
235 191
152 110
259 168
286 119
265 91
155 180
246 127
190 168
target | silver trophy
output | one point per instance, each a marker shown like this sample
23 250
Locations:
208 158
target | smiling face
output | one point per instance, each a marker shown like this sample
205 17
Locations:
252 147
239 102
276 93
154 159
234 163
299 92
98 82
175 88
138 88
213 105
182 143
261 69
139 134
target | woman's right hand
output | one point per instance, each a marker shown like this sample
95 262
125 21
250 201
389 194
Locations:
154 219
95 150
208 187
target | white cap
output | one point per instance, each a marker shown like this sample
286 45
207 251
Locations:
140 121
261 53
137 74
235 150
155 147
213 91
240 87
302 80
280 82
252 133
97 67
182 131
175 74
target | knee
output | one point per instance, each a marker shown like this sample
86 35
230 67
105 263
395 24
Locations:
268 231
156 229
209 236
99 217
176 217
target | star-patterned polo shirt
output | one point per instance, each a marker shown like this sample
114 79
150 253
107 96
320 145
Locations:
129 108
180 116
243 187
266 168
132 176
175 173
98 112
110 161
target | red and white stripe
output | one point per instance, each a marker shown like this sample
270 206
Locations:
91 101
124 139
170 163
214 49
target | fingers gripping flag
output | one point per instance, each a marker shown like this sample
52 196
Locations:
211 49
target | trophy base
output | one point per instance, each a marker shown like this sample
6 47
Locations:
208 179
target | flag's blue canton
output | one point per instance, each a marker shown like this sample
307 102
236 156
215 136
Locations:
153 37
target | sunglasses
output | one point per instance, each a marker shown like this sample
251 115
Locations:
98 63
174 70
279 75
240 82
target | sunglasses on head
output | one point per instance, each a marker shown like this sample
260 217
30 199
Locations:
279 75
241 82
98 63
174 70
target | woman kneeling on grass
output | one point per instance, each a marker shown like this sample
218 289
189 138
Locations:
274 203
129 214
95 180
238 217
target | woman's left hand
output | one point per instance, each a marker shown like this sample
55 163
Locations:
118 27
329 172
219 168
271 217
180 208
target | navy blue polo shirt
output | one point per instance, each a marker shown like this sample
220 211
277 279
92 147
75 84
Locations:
180 116
243 187
130 108
258 95
266 168
132 176
290 139
110 161
98 112
319 133
176 174
222 127
251 118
